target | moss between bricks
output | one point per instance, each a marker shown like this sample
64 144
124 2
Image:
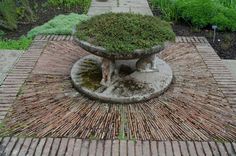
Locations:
125 32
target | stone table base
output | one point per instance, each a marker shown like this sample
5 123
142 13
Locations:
127 87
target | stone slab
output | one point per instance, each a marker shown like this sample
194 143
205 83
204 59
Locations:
7 60
117 6
231 65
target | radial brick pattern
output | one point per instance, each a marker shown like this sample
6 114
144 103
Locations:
193 108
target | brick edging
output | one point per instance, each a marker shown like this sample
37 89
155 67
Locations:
226 82
17 76
53 38
72 146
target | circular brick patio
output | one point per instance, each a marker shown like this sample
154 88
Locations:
194 108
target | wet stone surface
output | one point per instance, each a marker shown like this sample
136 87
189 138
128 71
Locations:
132 87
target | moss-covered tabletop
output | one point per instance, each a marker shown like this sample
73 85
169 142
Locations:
123 35
116 37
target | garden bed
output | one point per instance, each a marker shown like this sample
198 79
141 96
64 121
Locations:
224 45
44 13
225 42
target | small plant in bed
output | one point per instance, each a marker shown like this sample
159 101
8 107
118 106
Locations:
124 32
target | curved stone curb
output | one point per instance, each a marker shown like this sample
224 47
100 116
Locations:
102 52
135 87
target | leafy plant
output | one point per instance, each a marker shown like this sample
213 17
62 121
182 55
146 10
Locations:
84 4
200 13
125 32
8 14
11 11
2 33
167 8
228 3
24 11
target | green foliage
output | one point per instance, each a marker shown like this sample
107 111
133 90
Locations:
124 32
8 14
24 11
21 44
228 3
200 13
2 33
225 20
60 25
167 8
84 4
11 11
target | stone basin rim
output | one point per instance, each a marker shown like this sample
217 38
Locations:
102 52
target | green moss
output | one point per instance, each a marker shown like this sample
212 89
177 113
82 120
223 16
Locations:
92 77
59 25
125 32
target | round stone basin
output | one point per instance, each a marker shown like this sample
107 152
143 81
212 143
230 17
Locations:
102 52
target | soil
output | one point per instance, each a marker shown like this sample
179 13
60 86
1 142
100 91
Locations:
224 44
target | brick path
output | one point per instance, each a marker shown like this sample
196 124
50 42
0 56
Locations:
77 147
23 68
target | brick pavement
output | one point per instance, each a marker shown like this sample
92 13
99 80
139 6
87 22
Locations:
24 66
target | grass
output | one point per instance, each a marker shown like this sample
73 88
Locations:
21 44
125 32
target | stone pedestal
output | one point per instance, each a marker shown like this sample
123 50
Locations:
108 71
120 81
